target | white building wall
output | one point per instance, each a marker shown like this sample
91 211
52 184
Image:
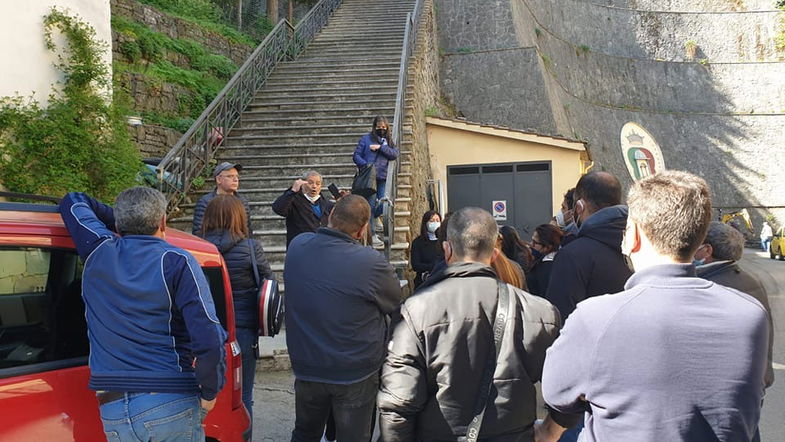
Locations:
27 66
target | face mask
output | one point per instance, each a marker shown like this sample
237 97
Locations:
536 254
560 219
698 262
381 132
433 225
312 199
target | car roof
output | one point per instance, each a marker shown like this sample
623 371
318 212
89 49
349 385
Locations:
39 219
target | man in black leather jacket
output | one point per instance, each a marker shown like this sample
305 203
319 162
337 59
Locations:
432 374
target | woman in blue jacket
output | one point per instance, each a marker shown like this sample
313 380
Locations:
225 224
376 147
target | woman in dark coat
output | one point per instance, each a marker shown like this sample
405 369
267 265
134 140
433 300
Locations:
225 225
515 249
426 250
545 242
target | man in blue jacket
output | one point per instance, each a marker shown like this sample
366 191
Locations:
337 296
673 357
157 357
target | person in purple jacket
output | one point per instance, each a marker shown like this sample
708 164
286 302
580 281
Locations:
672 357
377 148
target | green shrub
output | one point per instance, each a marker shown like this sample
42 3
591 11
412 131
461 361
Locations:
79 141
203 13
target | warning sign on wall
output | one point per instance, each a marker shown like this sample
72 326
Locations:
499 210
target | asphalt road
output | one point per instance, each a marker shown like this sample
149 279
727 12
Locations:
772 274
274 391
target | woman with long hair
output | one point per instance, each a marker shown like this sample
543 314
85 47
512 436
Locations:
377 148
546 241
225 224
514 248
506 269
426 250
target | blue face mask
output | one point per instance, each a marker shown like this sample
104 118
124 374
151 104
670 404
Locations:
698 262
536 254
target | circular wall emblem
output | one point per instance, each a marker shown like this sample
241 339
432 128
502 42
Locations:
641 153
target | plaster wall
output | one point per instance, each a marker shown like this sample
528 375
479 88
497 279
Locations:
29 66
451 146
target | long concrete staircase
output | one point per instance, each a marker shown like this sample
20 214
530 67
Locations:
310 115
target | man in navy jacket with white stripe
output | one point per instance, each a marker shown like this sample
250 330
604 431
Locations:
150 316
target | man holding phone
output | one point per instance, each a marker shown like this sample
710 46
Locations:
303 206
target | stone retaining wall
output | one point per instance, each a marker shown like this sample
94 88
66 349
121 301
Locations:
719 120
149 95
153 141
424 79
174 27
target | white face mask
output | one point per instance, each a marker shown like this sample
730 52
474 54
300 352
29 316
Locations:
432 226
312 199
560 219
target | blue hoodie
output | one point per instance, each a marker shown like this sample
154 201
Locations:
148 308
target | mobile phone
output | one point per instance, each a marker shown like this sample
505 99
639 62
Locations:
334 190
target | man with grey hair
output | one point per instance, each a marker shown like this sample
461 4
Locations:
303 206
442 358
156 345
717 260
672 357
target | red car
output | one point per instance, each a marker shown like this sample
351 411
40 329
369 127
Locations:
43 334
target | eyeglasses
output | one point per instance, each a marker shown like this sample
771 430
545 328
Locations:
537 243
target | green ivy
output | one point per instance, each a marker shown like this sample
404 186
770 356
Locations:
79 141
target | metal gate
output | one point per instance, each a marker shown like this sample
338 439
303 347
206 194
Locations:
518 194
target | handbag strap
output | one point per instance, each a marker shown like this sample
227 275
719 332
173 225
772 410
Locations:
254 267
499 323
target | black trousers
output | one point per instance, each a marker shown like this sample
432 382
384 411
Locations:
352 405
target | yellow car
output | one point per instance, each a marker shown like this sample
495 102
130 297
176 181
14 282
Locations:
778 245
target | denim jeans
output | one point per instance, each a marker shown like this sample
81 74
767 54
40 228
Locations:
376 209
174 417
765 244
248 338
352 405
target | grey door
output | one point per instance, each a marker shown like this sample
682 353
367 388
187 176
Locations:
525 187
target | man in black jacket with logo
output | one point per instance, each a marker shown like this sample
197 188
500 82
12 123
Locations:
303 206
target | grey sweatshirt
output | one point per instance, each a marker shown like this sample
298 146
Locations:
671 358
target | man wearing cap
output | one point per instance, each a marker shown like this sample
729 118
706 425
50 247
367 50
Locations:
227 180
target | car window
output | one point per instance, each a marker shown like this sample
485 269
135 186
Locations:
41 308
214 277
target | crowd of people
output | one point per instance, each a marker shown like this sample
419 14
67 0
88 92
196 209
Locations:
634 315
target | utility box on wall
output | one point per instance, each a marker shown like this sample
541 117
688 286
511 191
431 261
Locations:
520 177
516 194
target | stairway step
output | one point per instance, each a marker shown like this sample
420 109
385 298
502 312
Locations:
303 121
336 113
315 160
318 107
252 173
329 88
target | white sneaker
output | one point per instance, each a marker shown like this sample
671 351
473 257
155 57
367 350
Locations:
377 242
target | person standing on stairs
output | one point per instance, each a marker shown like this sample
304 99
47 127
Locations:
227 181
303 206
377 148
225 225
426 250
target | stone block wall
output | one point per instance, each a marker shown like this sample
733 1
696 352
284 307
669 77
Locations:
174 27
423 94
153 141
149 95
23 272
593 67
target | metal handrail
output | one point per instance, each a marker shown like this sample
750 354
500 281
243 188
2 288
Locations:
194 151
391 186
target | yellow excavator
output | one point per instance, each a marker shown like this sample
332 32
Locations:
732 218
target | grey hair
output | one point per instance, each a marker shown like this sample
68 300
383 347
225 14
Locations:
311 173
472 233
727 243
138 211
